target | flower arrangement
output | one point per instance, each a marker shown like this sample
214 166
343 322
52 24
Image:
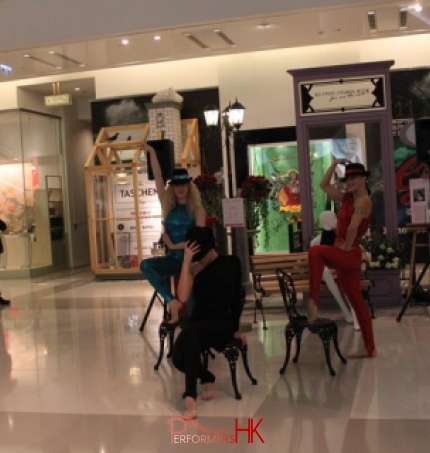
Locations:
382 253
211 194
255 190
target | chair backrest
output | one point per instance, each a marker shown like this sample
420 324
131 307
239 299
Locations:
288 293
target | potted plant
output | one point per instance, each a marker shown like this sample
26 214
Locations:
255 190
382 253
384 259
211 194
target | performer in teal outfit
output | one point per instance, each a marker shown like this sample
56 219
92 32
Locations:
182 209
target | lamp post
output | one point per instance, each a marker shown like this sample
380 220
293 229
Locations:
232 120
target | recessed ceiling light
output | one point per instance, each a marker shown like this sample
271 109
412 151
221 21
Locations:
125 42
263 25
157 37
418 8
51 52
58 67
26 55
77 89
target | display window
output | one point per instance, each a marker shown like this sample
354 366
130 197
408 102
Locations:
279 163
31 192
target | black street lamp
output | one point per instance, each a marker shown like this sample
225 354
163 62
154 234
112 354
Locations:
232 120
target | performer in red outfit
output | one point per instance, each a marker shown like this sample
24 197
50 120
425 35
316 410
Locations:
345 257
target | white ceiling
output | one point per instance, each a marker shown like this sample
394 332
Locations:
304 28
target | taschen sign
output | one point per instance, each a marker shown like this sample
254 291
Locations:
57 100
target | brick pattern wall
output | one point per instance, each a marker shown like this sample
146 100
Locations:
165 117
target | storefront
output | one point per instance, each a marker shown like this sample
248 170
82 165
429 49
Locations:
31 194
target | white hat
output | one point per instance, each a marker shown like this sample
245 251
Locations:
328 220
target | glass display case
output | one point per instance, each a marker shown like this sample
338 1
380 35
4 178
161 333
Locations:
29 151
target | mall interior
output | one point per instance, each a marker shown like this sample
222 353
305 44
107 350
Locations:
76 372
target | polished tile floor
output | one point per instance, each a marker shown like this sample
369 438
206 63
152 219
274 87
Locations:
77 376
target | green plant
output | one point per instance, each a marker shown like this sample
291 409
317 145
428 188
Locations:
211 194
255 190
381 252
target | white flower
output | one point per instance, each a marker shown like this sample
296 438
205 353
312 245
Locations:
395 265
388 266
390 250
382 246
381 258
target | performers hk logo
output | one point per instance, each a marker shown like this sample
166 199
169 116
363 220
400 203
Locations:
179 426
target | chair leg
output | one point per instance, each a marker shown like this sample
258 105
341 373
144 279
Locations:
298 334
171 341
205 355
336 347
232 354
326 335
289 335
162 332
148 311
259 305
244 353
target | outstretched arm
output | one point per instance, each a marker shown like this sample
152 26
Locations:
156 169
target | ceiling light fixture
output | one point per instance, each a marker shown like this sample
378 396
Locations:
225 38
157 38
125 42
418 8
39 60
371 19
196 41
403 17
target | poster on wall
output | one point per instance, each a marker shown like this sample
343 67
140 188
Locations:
125 220
420 198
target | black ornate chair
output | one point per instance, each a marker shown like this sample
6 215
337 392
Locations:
326 329
231 352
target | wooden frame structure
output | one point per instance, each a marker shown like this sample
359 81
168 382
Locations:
115 155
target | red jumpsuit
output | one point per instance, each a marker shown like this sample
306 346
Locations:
347 266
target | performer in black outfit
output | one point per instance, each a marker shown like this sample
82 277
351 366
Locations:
216 285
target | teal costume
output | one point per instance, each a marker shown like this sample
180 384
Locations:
157 270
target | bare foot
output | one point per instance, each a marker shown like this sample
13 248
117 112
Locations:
208 392
361 354
312 311
190 412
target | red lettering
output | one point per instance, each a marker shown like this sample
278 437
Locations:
251 430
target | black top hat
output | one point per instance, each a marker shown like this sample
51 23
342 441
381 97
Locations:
180 176
355 170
